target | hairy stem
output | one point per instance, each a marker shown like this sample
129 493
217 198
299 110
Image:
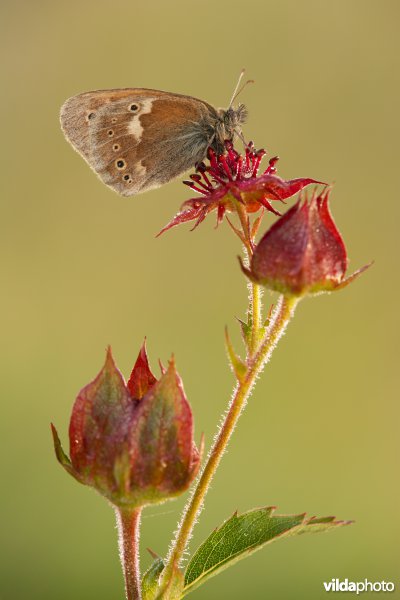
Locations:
282 314
255 308
256 316
128 523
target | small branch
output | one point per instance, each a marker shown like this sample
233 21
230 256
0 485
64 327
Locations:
128 523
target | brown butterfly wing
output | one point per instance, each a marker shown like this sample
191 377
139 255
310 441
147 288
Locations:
138 139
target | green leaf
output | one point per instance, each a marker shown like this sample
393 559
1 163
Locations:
238 366
150 579
241 535
62 458
245 329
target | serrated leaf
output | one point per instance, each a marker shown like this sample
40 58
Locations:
238 366
318 525
150 579
241 535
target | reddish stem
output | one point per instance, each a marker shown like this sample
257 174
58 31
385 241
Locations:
128 523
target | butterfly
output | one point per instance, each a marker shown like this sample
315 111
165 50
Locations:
137 139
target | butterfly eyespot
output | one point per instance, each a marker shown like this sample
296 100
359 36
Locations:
110 132
120 164
113 120
91 116
116 147
134 107
127 177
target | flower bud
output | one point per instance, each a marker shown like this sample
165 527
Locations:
132 442
303 252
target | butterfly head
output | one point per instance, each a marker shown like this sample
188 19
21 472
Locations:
230 122
234 117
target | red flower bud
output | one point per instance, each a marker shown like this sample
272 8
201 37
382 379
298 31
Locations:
303 252
132 442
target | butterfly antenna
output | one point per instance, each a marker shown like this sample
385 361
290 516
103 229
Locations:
236 87
238 91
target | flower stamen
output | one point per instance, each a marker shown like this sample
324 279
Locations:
231 179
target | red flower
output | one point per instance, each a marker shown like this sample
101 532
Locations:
132 442
231 177
303 252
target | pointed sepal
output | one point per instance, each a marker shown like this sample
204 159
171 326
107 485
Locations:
62 458
141 379
162 449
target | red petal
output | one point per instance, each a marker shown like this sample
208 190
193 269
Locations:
204 212
141 379
330 254
220 213
211 199
273 187
269 206
190 214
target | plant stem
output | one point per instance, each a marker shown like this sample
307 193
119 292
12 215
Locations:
128 523
244 221
282 314
255 299
255 289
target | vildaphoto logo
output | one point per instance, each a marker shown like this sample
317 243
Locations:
335 585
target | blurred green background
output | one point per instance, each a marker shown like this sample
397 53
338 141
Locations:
82 269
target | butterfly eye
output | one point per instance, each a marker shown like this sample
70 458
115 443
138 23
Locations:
134 107
120 164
